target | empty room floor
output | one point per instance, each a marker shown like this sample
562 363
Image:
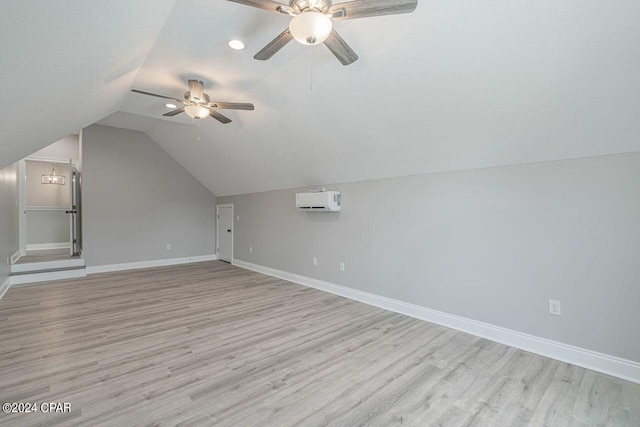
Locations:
213 344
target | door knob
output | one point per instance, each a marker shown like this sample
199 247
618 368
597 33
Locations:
229 231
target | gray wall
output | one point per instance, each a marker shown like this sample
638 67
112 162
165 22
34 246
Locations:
66 148
48 227
8 218
137 199
490 244
39 194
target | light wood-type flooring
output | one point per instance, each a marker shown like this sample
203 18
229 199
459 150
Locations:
213 344
44 255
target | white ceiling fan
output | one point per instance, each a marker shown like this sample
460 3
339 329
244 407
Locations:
312 22
198 105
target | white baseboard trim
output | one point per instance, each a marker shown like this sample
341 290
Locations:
47 265
44 246
16 256
48 276
600 362
5 287
149 264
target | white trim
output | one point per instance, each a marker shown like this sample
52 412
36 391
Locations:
22 201
233 227
600 362
45 246
16 256
47 265
47 276
47 208
5 287
51 160
149 264
79 166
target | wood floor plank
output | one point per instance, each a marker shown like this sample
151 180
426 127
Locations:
212 344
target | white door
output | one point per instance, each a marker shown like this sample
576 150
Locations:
75 211
225 232
72 207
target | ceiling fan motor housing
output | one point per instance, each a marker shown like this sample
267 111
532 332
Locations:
205 98
321 6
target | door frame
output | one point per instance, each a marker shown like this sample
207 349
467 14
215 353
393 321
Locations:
233 227
22 195
22 207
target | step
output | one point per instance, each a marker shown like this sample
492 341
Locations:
47 265
46 270
46 275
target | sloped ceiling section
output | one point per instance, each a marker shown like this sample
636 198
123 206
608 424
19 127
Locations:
65 64
454 85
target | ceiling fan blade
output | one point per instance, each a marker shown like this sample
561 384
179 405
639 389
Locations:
231 105
219 117
286 10
366 8
340 48
274 46
265 4
158 96
174 112
196 89
336 14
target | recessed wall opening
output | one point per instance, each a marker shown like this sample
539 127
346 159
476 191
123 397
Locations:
49 203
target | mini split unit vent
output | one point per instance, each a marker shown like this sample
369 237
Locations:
327 201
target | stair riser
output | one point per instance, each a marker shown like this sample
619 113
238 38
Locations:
48 265
47 276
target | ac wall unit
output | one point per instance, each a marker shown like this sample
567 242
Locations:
327 201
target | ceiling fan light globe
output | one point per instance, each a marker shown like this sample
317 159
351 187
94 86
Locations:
196 111
310 28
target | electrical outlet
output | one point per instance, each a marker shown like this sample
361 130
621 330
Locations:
250 249
315 261
168 247
342 266
554 307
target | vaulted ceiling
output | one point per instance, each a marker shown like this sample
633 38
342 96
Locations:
454 85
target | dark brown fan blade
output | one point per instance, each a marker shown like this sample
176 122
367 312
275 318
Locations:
231 105
340 48
174 112
366 8
158 96
276 44
219 117
263 4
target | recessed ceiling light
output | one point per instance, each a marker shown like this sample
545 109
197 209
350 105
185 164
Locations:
236 45
171 105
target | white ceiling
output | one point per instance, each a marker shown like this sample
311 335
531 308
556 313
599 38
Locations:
454 85
66 63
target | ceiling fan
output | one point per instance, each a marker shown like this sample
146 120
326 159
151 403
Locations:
198 105
312 22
